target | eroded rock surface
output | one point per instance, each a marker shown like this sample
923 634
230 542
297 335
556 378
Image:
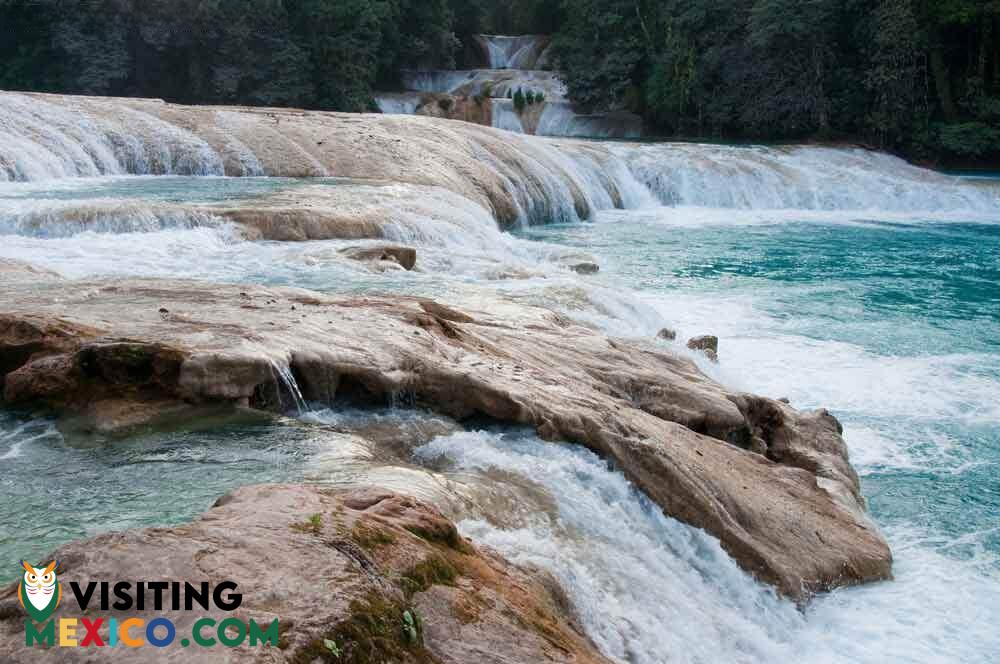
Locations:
337 565
773 484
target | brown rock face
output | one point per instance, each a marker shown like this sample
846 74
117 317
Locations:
338 566
405 257
706 344
773 484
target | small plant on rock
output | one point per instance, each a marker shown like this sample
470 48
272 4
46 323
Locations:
519 100
411 627
332 647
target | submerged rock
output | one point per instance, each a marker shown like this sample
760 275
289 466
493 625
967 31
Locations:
773 484
329 566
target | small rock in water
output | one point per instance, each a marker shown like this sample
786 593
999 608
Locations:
667 333
585 268
406 257
708 344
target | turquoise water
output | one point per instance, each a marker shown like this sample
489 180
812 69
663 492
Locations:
159 188
890 321
893 326
57 488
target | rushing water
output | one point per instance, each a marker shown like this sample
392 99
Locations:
836 278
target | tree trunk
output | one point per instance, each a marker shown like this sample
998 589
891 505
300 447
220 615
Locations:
942 84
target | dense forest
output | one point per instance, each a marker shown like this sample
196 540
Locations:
917 76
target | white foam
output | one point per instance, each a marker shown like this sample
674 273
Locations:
649 589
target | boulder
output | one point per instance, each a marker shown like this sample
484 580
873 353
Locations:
585 268
774 485
707 344
406 257
667 334
342 566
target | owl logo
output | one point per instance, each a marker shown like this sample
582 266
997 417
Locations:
39 591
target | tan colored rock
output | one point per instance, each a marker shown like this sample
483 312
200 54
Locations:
405 257
773 484
12 269
326 564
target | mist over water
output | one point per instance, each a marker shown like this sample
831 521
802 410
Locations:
837 278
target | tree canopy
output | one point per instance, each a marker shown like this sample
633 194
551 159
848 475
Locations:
918 76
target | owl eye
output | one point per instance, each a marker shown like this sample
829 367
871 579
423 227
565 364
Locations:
32 578
47 578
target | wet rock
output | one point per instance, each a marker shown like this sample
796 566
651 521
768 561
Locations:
406 257
707 344
585 268
667 334
367 553
772 483
11 269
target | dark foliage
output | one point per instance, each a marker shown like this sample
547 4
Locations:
918 76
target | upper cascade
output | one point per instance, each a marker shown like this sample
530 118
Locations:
515 52
515 90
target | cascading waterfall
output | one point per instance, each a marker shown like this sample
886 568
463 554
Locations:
43 140
505 117
513 52
798 178
398 103
560 119
552 181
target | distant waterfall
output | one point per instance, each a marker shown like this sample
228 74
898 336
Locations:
520 52
559 119
398 103
505 117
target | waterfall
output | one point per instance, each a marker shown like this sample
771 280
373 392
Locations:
559 119
55 219
518 52
799 178
437 81
284 378
42 140
505 117
49 137
398 103
497 82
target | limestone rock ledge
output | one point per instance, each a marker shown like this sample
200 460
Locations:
337 565
774 485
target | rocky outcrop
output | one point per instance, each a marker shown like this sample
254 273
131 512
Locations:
773 484
332 566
